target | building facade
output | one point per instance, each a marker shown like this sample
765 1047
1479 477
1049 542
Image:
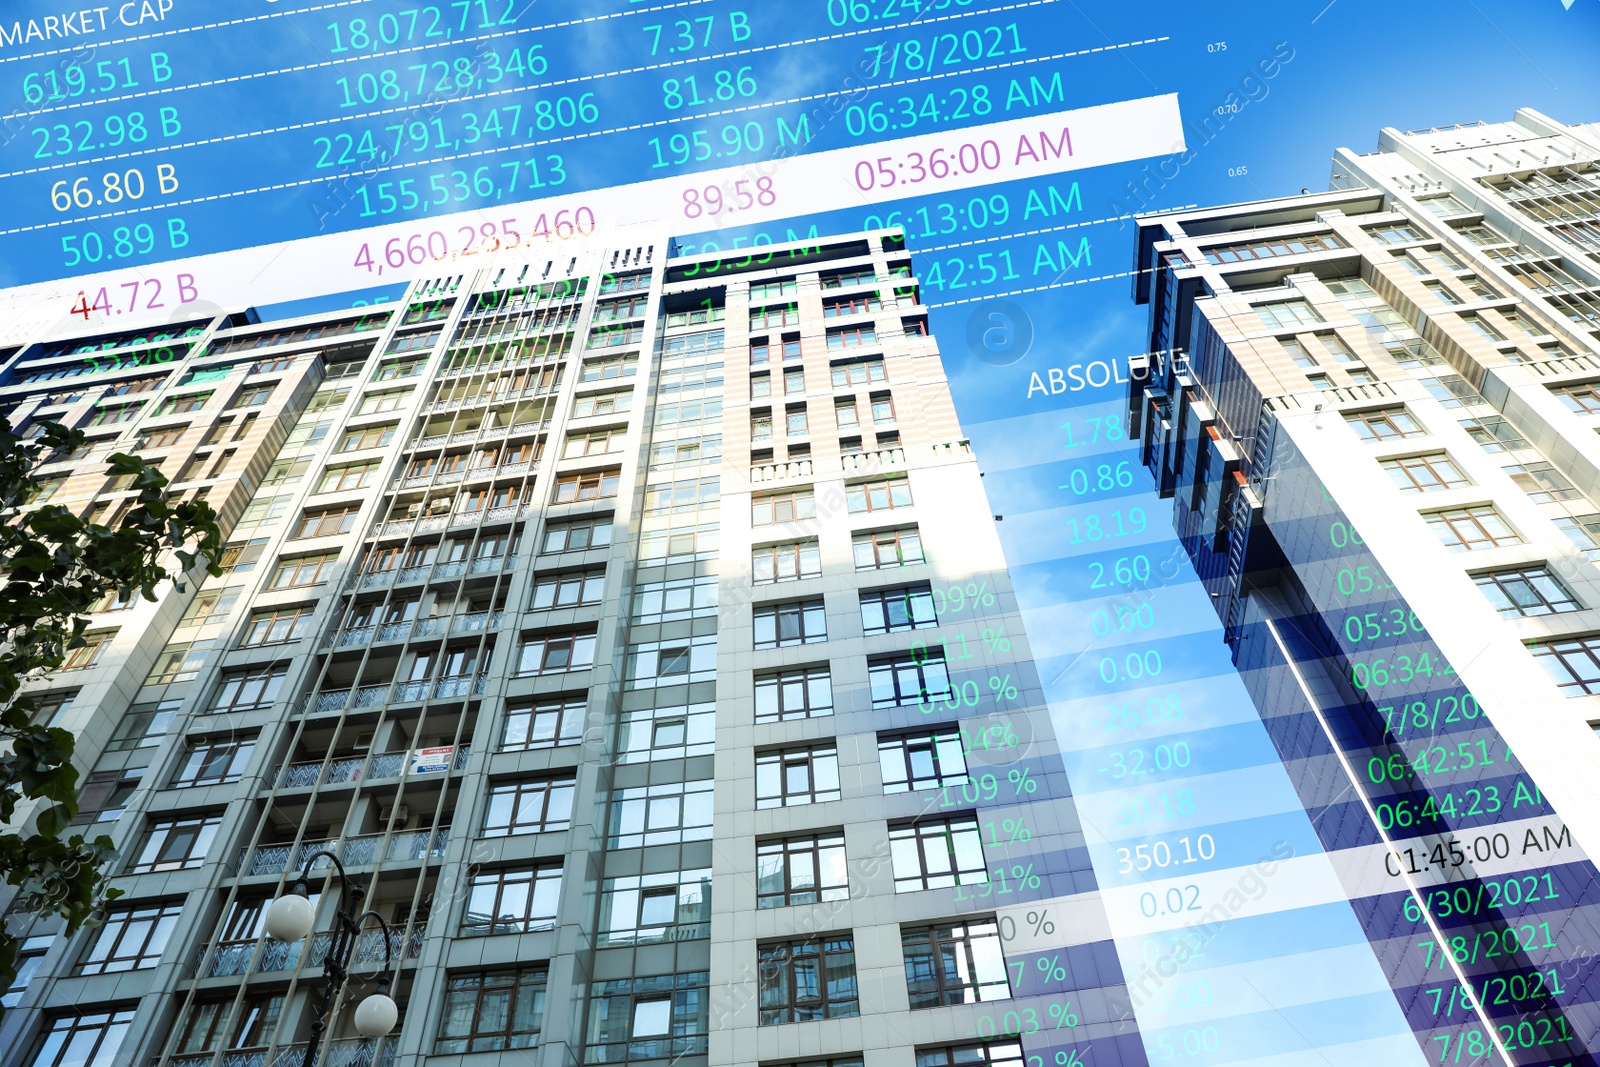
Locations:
633 628
1377 413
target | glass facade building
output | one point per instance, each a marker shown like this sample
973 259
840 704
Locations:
1373 410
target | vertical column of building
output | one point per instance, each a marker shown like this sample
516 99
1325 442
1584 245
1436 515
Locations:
889 794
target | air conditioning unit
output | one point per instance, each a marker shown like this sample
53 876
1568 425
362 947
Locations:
400 813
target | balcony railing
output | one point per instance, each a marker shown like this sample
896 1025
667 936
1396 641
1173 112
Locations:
441 572
355 769
432 523
489 434
371 696
365 849
233 958
352 1052
475 622
871 461
781 472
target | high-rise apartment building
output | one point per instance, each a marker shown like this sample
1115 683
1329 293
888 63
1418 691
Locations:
1377 413
635 631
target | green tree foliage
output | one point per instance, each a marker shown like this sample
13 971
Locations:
57 567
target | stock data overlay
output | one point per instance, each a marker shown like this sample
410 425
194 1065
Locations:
844 532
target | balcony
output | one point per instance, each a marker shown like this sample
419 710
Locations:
447 520
485 399
342 771
437 626
866 462
351 1052
441 478
372 696
466 437
233 958
362 850
780 472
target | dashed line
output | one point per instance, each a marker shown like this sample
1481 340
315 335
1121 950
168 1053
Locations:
511 33
1035 289
391 164
1033 233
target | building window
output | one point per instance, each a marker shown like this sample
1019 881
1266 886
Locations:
367 437
1424 474
679 545
760 389
1524 591
1583 398
610 403
981 1054
882 495
293 572
529 807
1440 293
936 854
918 677
1494 434
849 374
130 939
490 1011
1387 424
279 625
594 442
558 652
675 600
673 731
326 522
908 607
182 404
343 479
795 423
656 663
1542 482
667 813
1572 663
213 763
802 693
606 368
49 709
798 623
954 963
143 726
105 795
927 759
577 536
808 869
670 906
88 1039
794 381
654 1018
252 396
516 901
807 774
400 368
593 485
1287 314
162 438
568 589
87 654
851 337
1266 249
845 415
391 400
248 689
175 844
878 549
30 956
1395 233
767 509
859 304
1483 327
800 981
687 494
785 562
545 725
1473 528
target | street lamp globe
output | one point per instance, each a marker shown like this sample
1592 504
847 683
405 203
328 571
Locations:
290 916
376 1015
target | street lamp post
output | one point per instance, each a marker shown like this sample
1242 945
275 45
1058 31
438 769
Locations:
290 919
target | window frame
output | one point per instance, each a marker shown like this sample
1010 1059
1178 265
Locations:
555 795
